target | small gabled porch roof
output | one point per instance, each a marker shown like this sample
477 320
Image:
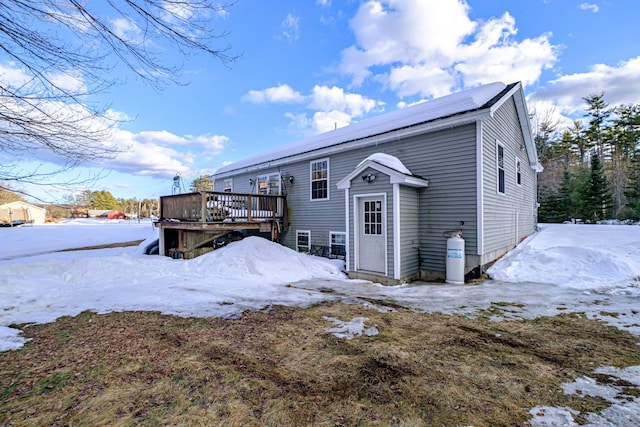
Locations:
388 165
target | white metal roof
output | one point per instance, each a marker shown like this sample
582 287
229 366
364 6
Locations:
446 106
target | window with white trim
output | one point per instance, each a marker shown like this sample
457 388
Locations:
337 244
500 168
303 241
269 184
518 172
227 185
319 170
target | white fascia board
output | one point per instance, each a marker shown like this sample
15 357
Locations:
523 117
364 142
411 181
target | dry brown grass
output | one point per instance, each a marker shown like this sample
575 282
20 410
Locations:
105 246
280 368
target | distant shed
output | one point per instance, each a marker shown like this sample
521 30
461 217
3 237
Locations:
22 213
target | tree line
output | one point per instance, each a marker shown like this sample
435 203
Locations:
592 169
104 200
80 203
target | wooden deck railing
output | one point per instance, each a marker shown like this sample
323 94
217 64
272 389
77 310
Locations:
214 206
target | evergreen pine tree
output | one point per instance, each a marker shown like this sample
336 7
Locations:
103 200
597 195
632 191
549 207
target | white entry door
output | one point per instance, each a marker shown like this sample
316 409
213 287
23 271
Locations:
371 235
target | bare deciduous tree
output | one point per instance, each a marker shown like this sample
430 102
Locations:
56 55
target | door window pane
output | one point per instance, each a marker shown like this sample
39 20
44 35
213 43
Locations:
372 218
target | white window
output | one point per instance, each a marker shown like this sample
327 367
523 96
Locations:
227 185
303 241
337 244
269 184
518 172
500 168
319 179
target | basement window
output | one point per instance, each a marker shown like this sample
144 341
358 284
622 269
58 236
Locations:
303 240
337 244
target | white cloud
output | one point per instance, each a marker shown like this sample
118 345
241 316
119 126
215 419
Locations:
277 94
333 109
126 29
326 99
160 153
291 28
619 83
421 79
401 40
332 105
12 76
590 6
324 3
324 121
15 77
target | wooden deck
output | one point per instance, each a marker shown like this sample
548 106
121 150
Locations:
199 218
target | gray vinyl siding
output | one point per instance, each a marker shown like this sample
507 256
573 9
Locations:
409 237
502 213
319 216
447 158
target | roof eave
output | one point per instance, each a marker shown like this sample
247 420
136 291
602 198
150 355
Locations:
430 126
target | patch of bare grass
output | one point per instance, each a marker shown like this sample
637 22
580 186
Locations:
280 367
105 246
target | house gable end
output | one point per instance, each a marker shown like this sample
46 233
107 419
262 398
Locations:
395 176
515 91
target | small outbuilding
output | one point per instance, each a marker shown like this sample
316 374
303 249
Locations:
18 212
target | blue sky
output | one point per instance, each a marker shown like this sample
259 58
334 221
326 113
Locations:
307 66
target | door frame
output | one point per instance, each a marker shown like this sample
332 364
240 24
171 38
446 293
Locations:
356 229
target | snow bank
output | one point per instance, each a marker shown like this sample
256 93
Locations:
602 258
255 258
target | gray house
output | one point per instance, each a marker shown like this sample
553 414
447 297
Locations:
384 192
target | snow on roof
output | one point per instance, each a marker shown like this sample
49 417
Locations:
387 160
456 103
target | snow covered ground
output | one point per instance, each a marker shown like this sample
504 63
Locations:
594 269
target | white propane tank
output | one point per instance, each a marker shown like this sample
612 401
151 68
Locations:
455 259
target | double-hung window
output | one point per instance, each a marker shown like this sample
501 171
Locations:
337 244
500 168
303 241
269 184
227 185
319 170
